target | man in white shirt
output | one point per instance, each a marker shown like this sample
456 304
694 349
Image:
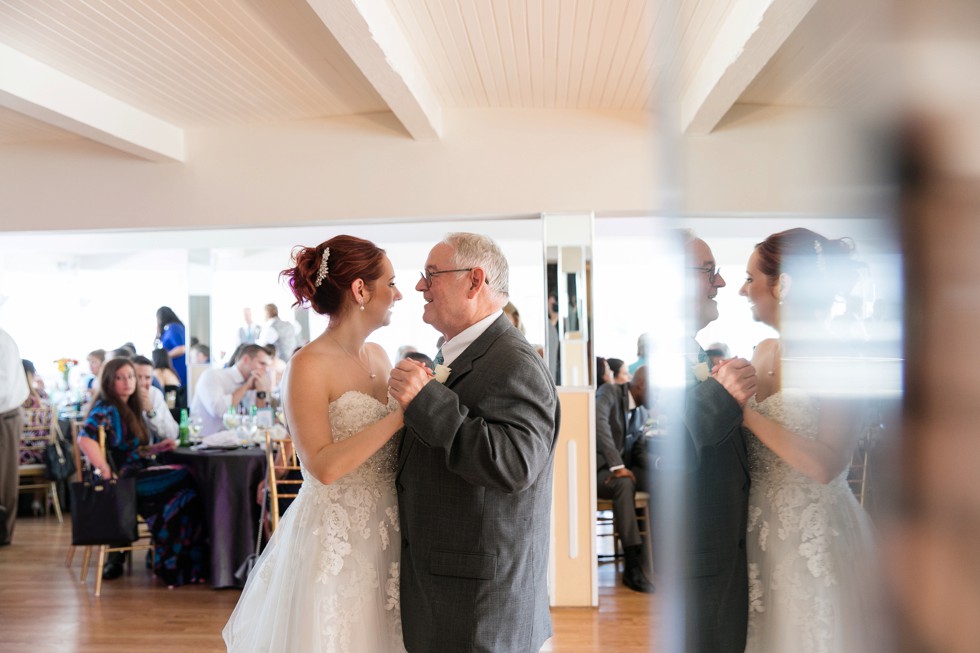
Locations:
13 392
219 389
156 416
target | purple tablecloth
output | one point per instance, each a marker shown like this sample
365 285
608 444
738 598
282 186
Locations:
228 481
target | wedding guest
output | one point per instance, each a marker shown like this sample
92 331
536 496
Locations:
202 354
165 375
95 359
642 344
171 336
219 389
277 332
159 421
602 372
166 495
249 331
620 372
717 352
13 392
37 398
620 414
515 316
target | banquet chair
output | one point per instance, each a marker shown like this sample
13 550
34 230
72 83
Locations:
284 477
40 428
143 541
606 528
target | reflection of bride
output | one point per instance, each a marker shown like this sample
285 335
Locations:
812 586
328 580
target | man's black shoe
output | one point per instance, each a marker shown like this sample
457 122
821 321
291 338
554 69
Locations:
113 567
633 576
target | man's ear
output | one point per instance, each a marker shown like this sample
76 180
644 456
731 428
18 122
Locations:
478 277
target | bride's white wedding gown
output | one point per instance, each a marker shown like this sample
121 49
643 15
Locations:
328 579
813 587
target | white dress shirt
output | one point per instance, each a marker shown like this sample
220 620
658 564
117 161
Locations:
212 396
13 380
162 425
451 349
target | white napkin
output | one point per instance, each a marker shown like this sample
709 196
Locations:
221 439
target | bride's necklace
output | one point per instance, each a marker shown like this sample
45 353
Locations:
353 357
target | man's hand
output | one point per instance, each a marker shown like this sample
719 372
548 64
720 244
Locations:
163 445
737 376
144 398
258 381
407 379
620 473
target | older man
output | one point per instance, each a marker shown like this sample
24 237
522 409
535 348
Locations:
475 469
714 478
219 389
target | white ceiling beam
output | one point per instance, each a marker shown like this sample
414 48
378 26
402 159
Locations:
752 33
370 34
38 91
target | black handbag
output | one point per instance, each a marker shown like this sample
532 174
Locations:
103 510
59 464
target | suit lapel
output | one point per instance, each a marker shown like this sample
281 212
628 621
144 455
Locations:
464 362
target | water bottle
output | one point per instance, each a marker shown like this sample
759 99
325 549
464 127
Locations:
184 429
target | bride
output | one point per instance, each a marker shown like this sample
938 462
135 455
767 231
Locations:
328 580
811 556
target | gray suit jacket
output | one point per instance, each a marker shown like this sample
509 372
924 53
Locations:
614 438
474 495
717 491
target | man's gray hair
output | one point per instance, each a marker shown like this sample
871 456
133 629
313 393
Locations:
478 251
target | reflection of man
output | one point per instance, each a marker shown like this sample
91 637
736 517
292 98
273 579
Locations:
553 339
248 332
13 392
475 470
714 568
620 415
219 389
156 416
277 332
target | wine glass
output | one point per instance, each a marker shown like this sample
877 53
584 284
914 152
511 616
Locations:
194 426
247 428
231 421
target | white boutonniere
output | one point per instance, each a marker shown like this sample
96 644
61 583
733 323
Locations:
701 371
442 373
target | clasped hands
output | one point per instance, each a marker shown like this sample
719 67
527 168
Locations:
737 376
407 379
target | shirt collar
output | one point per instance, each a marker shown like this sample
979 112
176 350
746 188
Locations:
451 349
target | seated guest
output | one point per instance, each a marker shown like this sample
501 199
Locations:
95 358
166 377
602 372
620 371
201 354
620 414
37 398
219 389
166 496
159 422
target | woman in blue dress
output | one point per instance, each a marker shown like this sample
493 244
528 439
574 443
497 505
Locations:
170 335
166 495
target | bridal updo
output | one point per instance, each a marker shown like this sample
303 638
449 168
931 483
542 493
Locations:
325 286
822 271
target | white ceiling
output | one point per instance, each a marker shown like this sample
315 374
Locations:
175 65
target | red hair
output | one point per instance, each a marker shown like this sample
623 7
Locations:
350 259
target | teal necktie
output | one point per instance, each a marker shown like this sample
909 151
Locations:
439 359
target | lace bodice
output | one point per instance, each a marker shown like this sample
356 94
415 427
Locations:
798 413
350 413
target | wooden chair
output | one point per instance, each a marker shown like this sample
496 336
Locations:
144 540
604 521
283 468
40 429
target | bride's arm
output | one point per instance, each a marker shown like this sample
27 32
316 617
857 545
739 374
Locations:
306 397
823 458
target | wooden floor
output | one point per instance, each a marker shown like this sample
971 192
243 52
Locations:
44 608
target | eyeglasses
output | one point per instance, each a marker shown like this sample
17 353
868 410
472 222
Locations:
713 273
427 276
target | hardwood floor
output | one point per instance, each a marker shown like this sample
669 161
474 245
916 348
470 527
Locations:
44 608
